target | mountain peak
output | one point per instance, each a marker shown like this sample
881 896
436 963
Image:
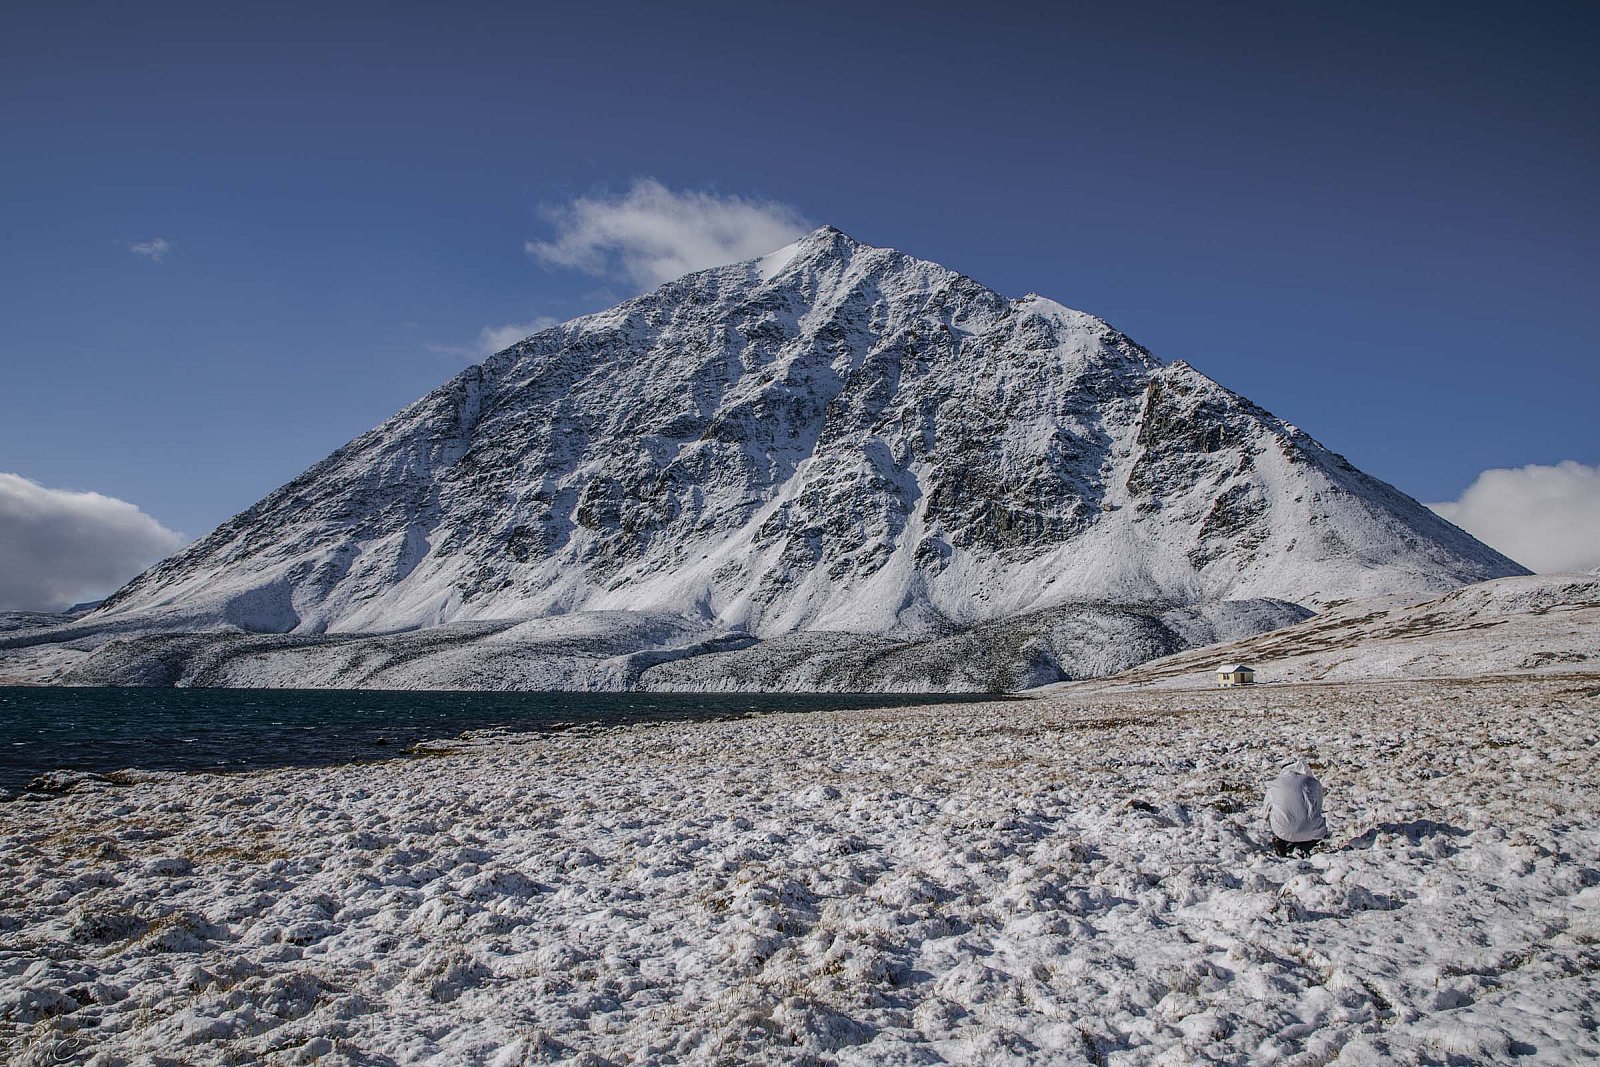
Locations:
832 237
821 244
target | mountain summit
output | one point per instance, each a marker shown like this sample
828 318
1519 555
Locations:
833 437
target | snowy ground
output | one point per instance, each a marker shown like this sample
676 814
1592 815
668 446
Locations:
1079 880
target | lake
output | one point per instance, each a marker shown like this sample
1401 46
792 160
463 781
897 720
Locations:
93 729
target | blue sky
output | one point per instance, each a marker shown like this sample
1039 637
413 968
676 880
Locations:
1378 222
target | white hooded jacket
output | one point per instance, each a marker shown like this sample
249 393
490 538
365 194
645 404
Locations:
1294 805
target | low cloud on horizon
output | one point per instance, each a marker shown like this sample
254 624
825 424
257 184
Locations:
60 547
1547 518
651 234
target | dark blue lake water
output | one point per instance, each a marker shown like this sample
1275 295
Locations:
45 729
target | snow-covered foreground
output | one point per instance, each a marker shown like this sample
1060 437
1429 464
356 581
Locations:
1079 880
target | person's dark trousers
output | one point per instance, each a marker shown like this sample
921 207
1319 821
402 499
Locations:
1282 847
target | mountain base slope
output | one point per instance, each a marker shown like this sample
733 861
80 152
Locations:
622 650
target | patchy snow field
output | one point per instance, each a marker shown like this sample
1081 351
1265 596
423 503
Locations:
1078 880
1536 624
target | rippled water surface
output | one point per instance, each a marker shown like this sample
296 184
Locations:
44 729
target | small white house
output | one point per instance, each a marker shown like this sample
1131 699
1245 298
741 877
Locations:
1231 674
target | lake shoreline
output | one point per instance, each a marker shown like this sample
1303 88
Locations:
104 729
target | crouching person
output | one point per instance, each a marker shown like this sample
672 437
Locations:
1294 810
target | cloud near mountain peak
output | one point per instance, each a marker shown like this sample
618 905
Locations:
652 234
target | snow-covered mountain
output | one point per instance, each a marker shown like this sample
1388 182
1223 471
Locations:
835 438
1519 627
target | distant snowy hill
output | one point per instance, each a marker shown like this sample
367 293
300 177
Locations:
833 439
1536 625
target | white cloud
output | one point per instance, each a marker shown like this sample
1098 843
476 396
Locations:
492 339
1545 518
59 547
155 249
651 234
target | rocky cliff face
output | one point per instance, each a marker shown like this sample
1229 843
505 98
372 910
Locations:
835 437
